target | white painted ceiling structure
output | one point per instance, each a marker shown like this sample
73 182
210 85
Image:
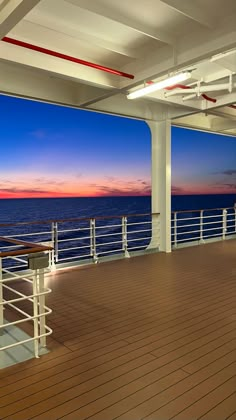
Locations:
148 39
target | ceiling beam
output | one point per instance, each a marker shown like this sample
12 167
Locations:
57 66
192 49
141 28
34 23
222 124
13 12
190 10
16 80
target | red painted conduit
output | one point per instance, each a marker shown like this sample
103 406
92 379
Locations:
208 98
66 57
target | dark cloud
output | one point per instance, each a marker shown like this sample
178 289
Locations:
47 181
224 185
177 190
109 190
229 172
15 190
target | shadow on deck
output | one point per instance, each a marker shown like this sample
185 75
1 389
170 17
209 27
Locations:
151 337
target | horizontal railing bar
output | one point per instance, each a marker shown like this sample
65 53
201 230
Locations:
29 234
109 243
199 210
71 249
28 339
139 231
212 236
140 239
110 251
108 234
214 228
72 230
18 310
142 223
185 218
182 226
74 239
73 258
108 226
16 266
26 297
137 247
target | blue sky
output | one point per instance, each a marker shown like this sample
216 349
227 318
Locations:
49 150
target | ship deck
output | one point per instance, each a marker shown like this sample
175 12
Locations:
152 337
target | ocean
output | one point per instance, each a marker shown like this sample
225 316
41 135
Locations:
39 209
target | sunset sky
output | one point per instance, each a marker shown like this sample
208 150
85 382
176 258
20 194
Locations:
52 151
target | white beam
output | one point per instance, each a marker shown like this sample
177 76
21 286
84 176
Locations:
22 81
13 12
196 47
189 9
222 124
159 35
140 109
57 66
34 23
25 82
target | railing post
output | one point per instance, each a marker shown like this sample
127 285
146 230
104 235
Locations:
54 253
201 226
41 306
35 313
235 217
93 240
175 229
224 223
125 237
1 299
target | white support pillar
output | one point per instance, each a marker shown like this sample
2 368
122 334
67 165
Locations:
161 179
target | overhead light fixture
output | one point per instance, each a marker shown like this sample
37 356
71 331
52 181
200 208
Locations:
170 81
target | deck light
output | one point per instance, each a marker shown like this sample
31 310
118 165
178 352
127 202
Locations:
180 77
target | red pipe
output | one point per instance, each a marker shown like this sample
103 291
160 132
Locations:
66 57
208 98
178 86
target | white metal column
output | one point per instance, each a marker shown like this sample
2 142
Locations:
161 179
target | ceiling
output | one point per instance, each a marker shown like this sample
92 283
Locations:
148 39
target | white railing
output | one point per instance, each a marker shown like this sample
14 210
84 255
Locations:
81 240
200 226
22 297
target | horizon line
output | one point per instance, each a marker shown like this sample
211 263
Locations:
112 196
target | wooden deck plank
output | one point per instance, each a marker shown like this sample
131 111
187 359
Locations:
220 403
149 337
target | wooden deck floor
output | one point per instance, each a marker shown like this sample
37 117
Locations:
151 337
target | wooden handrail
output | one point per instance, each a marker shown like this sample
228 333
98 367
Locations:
29 247
43 222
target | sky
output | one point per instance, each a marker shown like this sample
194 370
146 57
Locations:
53 151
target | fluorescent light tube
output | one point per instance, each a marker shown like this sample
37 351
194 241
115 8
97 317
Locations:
170 81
